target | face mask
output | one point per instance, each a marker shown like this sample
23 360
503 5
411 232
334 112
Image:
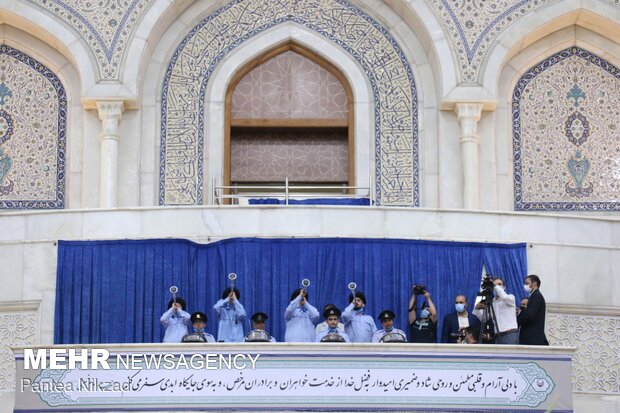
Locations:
424 313
527 288
459 307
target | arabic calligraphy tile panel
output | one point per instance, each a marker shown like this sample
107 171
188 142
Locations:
566 118
302 157
105 25
596 363
33 115
396 129
17 328
473 25
289 86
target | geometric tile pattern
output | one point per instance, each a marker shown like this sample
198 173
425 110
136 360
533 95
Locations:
17 328
266 156
596 363
104 24
33 117
363 38
566 121
473 25
289 86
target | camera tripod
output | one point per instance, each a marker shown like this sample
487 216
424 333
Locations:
490 324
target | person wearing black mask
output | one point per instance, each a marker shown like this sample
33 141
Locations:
532 318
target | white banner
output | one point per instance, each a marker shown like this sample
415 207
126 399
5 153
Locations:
284 380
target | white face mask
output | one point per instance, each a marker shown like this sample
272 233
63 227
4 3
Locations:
527 288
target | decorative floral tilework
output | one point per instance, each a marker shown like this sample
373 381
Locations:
33 116
596 364
566 120
17 328
105 25
290 86
473 25
389 73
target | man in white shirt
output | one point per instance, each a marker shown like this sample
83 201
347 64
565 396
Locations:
506 329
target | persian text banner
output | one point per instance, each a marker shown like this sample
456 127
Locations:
303 377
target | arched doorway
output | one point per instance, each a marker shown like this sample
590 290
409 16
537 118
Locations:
289 118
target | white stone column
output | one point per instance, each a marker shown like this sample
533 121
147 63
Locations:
468 115
110 112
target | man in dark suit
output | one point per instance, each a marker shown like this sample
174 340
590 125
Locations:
531 319
458 320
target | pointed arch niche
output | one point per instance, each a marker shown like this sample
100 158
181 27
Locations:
289 116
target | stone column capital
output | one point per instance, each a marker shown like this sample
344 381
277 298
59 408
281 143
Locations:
468 111
110 109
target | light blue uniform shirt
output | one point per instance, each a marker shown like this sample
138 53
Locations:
334 331
207 336
357 325
376 338
231 316
300 322
176 323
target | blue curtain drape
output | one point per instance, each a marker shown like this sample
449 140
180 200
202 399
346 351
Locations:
115 291
310 201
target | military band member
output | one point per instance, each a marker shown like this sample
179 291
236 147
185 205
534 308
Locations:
231 315
359 326
258 323
387 321
332 318
323 326
176 320
199 322
300 318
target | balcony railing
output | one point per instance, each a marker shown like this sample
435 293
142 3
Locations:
286 193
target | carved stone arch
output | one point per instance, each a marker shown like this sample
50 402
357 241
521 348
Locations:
369 44
565 113
32 20
538 25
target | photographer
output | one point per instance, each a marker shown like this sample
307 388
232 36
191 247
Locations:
469 335
503 312
422 329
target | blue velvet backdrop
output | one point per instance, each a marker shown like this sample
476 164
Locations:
115 291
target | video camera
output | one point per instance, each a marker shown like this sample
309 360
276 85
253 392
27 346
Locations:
419 289
460 335
486 289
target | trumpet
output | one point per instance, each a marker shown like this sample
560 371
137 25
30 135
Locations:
232 277
305 283
352 286
174 290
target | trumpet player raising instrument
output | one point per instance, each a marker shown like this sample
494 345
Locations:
300 317
176 319
230 313
358 326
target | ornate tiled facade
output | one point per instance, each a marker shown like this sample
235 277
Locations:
33 116
473 25
389 73
106 25
289 86
596 363
566 118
